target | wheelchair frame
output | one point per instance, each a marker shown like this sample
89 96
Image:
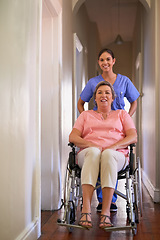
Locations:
73 193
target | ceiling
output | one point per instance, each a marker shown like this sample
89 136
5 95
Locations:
113 17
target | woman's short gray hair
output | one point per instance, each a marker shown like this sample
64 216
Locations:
103 83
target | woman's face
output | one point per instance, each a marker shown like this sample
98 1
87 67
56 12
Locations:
106 62
104 96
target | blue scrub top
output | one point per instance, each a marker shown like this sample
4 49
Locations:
123 87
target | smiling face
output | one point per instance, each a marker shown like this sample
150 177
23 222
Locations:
106 61
104 97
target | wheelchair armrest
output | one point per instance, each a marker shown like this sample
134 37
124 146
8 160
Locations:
71 144
72 156
72 160
131 158
132 145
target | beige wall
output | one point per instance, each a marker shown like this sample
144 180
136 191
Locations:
94 48
123 55
20 119
137 36
88 34
81 27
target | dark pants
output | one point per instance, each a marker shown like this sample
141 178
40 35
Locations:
99 193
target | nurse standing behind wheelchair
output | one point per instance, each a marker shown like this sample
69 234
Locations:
123 87
103 137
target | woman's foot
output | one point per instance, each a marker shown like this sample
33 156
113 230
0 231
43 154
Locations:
105 221
85 220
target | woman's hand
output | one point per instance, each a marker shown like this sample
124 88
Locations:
113 147
75 137
131 137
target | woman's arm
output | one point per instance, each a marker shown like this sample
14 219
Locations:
80 105
75 137
131 137
133 108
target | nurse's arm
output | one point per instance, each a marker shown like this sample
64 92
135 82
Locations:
80 105
133 107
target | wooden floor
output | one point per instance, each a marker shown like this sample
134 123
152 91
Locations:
148 228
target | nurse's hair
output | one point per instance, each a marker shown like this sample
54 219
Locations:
106 50
104 83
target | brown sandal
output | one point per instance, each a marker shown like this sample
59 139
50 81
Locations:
81 222
105 224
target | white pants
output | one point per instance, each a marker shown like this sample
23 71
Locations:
108 163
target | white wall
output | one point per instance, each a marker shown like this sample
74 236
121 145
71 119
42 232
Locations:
50 89
150 101
151 88
66 82
157 95
20 119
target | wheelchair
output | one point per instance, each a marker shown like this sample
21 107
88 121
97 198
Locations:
73 193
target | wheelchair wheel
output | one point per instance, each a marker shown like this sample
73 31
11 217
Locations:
140 186
69 206
134 230
135 207
138 189
77 192
131 214
70 215
67 189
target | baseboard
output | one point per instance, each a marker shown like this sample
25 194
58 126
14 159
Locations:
154 192
32 232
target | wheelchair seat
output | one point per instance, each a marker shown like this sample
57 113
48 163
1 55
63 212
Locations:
73 165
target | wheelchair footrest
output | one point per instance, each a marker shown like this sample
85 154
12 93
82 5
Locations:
120 228
72 226
108 229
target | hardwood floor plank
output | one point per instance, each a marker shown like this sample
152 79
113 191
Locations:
147 229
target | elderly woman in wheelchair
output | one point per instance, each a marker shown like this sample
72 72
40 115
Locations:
103 137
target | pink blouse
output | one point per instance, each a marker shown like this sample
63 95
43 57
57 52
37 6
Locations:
104 132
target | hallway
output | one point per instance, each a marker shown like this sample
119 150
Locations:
48 53
148 228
